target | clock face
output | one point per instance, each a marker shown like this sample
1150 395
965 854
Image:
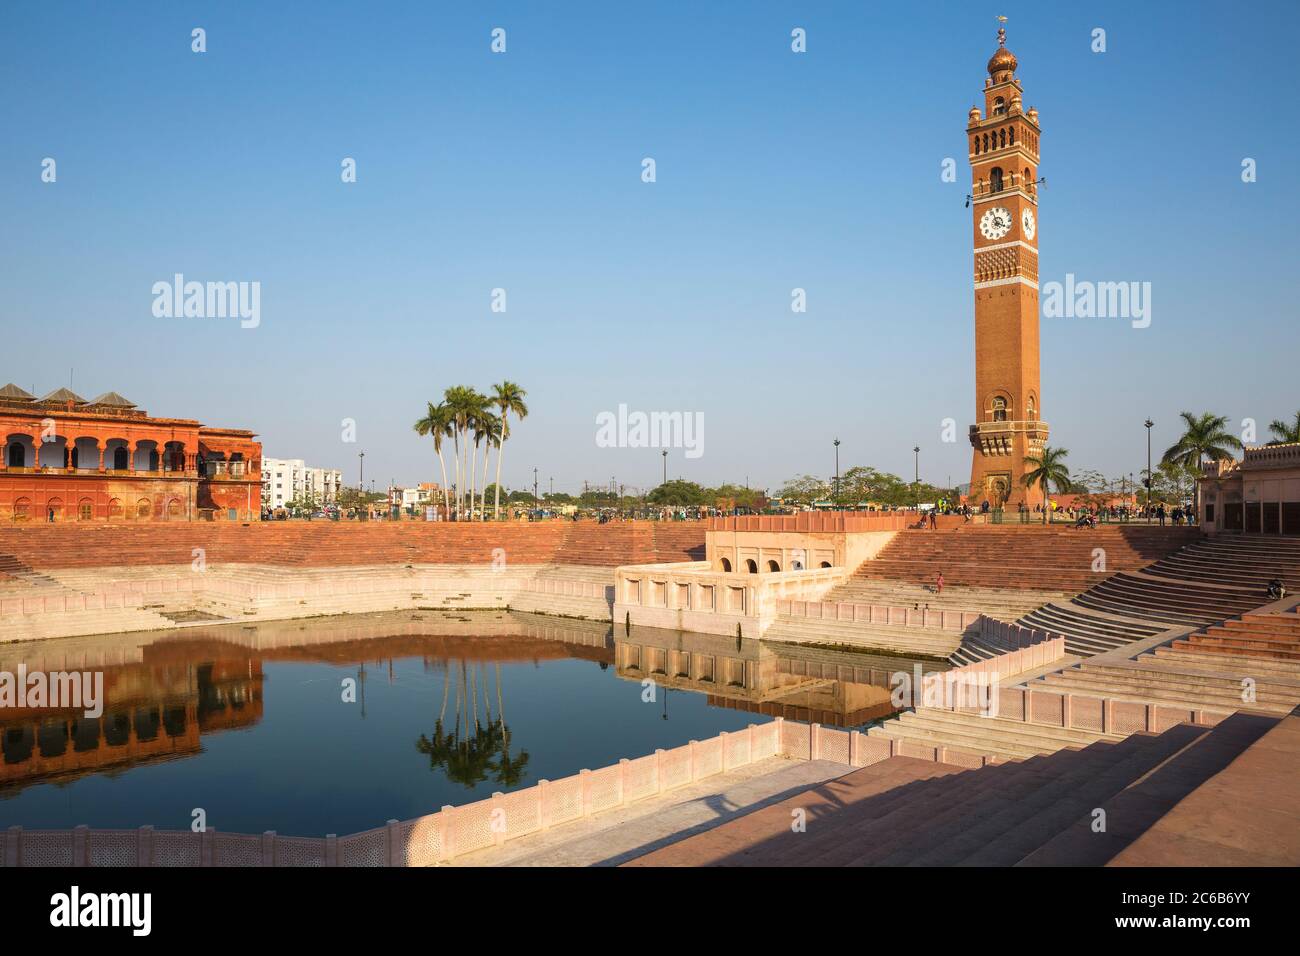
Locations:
1027 223
995 223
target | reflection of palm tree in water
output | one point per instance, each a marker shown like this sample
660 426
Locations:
466 754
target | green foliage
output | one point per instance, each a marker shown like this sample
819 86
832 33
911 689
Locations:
678 492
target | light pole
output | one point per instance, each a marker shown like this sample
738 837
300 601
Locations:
836 443
534 489
665 466
916 479
1148 423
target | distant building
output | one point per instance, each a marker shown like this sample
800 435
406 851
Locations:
1258 494
68 459
285 480
415 499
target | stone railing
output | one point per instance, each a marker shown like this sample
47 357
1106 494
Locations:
938 618
1272 456
808 521
438 837
1012 637
1103 715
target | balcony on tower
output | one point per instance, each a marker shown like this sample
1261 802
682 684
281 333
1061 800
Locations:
999 437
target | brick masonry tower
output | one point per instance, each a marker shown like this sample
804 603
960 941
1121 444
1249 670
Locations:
1003 147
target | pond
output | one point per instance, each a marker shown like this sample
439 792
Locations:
334 725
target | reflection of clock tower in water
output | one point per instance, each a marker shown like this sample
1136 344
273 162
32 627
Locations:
1003 147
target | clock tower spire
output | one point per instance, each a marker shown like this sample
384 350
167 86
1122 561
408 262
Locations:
1002 142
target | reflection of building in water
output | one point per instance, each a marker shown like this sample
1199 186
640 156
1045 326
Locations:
840 688
165 689
153 710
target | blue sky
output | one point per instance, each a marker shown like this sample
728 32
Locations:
522 171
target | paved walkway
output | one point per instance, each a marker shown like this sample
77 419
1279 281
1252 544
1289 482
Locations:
1245 815
610 838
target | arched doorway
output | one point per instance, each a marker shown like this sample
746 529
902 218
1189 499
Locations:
751 566
173 509
142 508
54 509
114 508
726 565
825 564
85 509
773 566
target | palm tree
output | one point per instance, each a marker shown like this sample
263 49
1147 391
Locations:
1049 471
492 430
476 405
437 422
508 397
1205 436
485 431
462 401
1286 434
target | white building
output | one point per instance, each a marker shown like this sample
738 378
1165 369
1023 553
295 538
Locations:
285 480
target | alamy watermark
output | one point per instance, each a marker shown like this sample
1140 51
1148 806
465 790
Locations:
53 690
208 300
1097 300
626 429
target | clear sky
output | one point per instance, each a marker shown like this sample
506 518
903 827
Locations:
522 171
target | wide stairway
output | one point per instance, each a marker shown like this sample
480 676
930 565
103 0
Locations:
909 812
1003 603
1020 557
1204 583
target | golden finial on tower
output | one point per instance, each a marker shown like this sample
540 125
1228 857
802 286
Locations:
1002 31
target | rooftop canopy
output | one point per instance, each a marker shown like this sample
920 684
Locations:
63 395
113 400
13 393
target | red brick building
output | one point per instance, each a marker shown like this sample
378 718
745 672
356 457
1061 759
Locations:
68 459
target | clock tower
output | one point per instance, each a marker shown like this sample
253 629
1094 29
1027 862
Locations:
1003 148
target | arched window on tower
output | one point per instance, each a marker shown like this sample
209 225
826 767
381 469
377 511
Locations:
1033 409
1029 180
995 179
977 146
986 142
1011 136
1002 138
999 106
999 409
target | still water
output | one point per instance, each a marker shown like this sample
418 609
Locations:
335 725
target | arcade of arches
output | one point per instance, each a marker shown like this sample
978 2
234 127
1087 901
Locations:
63 458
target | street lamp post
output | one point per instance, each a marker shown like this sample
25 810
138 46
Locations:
534 489
1148 423
665 466
916 475
837 473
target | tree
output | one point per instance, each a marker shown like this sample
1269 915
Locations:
679 492
464 405
1205 435
804 490
1287 434
509 398
304 502
1048 471
487 429
437 422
